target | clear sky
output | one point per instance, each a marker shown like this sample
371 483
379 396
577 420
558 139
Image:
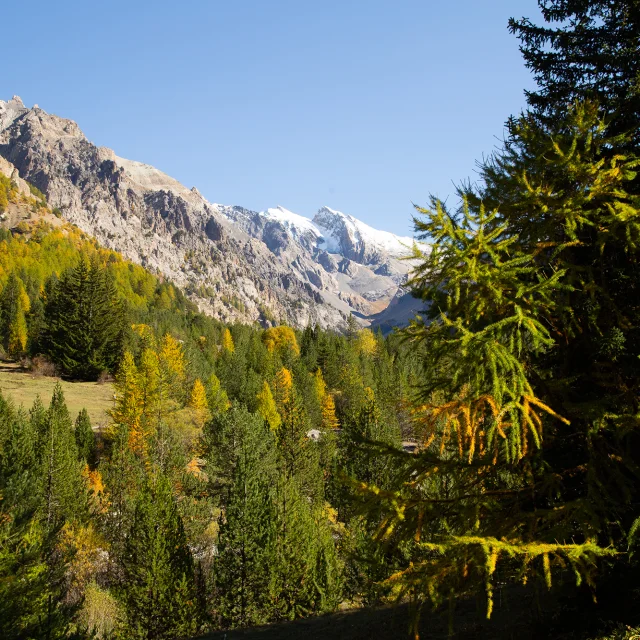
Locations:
362 105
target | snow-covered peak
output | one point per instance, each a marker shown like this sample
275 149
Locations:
340 233
344 227
298 225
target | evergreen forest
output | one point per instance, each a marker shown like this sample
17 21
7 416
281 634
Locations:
487 453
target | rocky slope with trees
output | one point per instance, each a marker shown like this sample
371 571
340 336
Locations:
234 263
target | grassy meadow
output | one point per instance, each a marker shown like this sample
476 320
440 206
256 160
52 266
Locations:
23 387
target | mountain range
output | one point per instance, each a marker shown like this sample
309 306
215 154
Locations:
236 264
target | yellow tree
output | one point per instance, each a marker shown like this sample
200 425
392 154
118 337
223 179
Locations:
198 403
150 383
280 339
329 418
366 343
319 385
172 364
267 407
17 342
227 341
129 403
14 304
282 388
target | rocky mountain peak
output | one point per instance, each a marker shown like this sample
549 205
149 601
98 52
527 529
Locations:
235 263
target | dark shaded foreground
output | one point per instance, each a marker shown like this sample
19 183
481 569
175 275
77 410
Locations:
520 613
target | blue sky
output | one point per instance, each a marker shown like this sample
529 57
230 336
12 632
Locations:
364 106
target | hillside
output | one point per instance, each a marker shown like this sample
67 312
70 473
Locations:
234 263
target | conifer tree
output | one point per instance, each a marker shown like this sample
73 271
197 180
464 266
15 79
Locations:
227 341
329 420
243 570
84 322
216 396
128 409
267 407
586 50
85 439
306 570
172 365
198 403
63 489
158 591
319 385
14 304
309 348
282 389
153 390
530 371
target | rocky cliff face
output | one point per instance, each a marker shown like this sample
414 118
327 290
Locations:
235 263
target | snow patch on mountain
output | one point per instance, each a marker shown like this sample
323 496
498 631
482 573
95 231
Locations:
334 224
298 225
336 232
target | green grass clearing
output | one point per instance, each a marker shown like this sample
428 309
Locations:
23 387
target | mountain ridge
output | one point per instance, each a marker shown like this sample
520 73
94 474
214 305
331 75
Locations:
236 264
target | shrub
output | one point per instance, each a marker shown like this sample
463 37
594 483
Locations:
42 366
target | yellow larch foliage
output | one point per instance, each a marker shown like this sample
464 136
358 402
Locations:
23 298
146 334
17 304
95 484
194 468
198 403
319 385
267 407
227 341
17 330
129 403
366 343
280 339
150 387
282 387
329 418
86 547
172 356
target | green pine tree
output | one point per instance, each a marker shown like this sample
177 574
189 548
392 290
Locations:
158 590
63 489
586 50
243 569
85 439
84 321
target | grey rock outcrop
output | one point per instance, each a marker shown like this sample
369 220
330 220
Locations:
235 263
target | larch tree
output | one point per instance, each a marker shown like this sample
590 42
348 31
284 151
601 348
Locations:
528 403
198 403
330 421
227 341
14 305
267 407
